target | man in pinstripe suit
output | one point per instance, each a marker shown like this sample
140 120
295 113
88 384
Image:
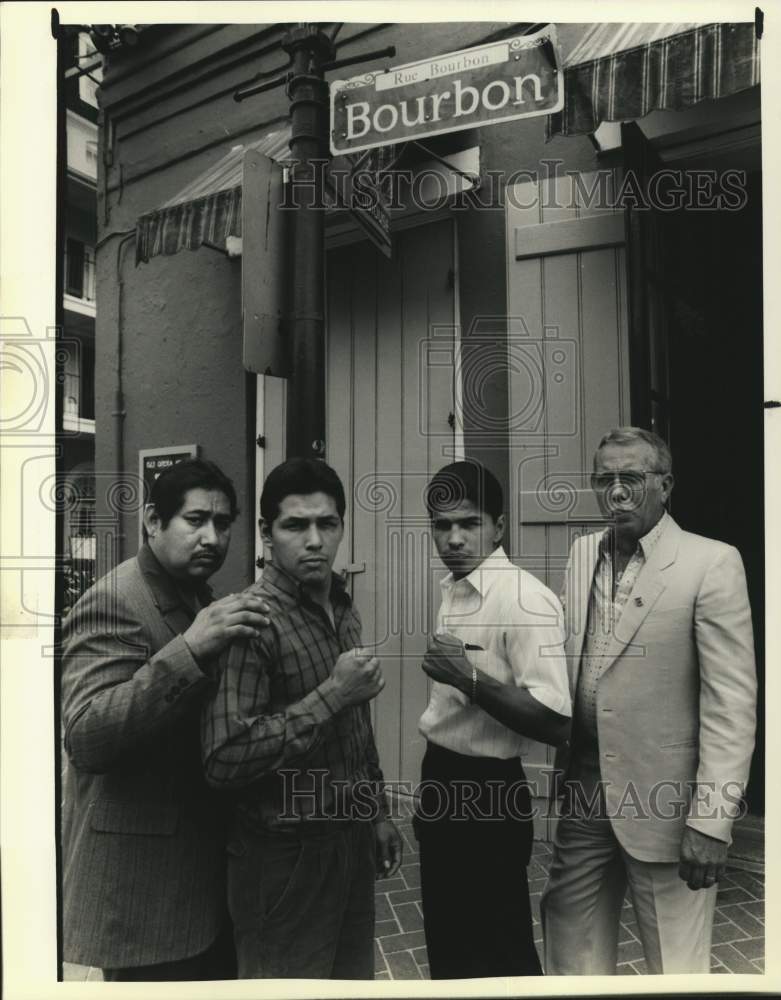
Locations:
143 839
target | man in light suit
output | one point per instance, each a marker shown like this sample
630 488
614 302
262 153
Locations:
661 661
143 839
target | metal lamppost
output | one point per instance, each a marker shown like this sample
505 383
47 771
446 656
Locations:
309 50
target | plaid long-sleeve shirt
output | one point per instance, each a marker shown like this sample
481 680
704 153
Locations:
278 731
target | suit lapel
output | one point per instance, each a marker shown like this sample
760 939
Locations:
645 593
177 619
176 615
583 566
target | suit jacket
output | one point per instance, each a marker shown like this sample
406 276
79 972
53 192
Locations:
143 841
677 692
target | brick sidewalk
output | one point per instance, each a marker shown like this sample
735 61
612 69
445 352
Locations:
400 951
400 948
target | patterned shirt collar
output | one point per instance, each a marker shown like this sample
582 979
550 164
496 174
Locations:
295 592
644 546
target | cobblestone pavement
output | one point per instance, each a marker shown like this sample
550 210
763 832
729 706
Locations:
400 947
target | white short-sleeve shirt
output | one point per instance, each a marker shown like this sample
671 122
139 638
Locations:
518 623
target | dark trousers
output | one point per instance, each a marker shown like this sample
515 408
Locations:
302 902
474 827
217 962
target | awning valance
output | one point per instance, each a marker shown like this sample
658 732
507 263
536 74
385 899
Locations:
616 72
621 72
208 210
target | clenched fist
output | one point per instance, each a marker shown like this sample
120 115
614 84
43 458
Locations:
446 661
358 676
237 616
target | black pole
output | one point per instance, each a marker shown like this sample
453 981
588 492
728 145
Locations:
309 49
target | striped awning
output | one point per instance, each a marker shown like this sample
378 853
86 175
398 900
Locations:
621 72
208 210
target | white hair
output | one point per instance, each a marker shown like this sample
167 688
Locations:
631 435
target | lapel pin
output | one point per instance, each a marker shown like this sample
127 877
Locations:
639 602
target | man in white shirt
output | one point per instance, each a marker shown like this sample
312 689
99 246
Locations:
500 681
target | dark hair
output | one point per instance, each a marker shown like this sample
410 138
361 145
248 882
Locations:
169 489
299 475
461 481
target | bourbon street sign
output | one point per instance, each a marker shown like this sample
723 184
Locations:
515 78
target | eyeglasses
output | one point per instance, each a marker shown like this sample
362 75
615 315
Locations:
628 478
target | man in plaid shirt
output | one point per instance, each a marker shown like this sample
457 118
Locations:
290 730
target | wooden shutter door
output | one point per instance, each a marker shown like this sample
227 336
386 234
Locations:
390 393
568 371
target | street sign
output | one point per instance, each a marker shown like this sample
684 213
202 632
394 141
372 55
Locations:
361 183
515 78
365 204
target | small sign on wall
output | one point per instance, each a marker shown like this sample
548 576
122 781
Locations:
152 462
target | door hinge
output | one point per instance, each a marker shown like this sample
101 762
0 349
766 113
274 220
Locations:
260 441
451 278
451 420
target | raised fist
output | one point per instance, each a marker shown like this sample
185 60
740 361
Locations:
358 676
